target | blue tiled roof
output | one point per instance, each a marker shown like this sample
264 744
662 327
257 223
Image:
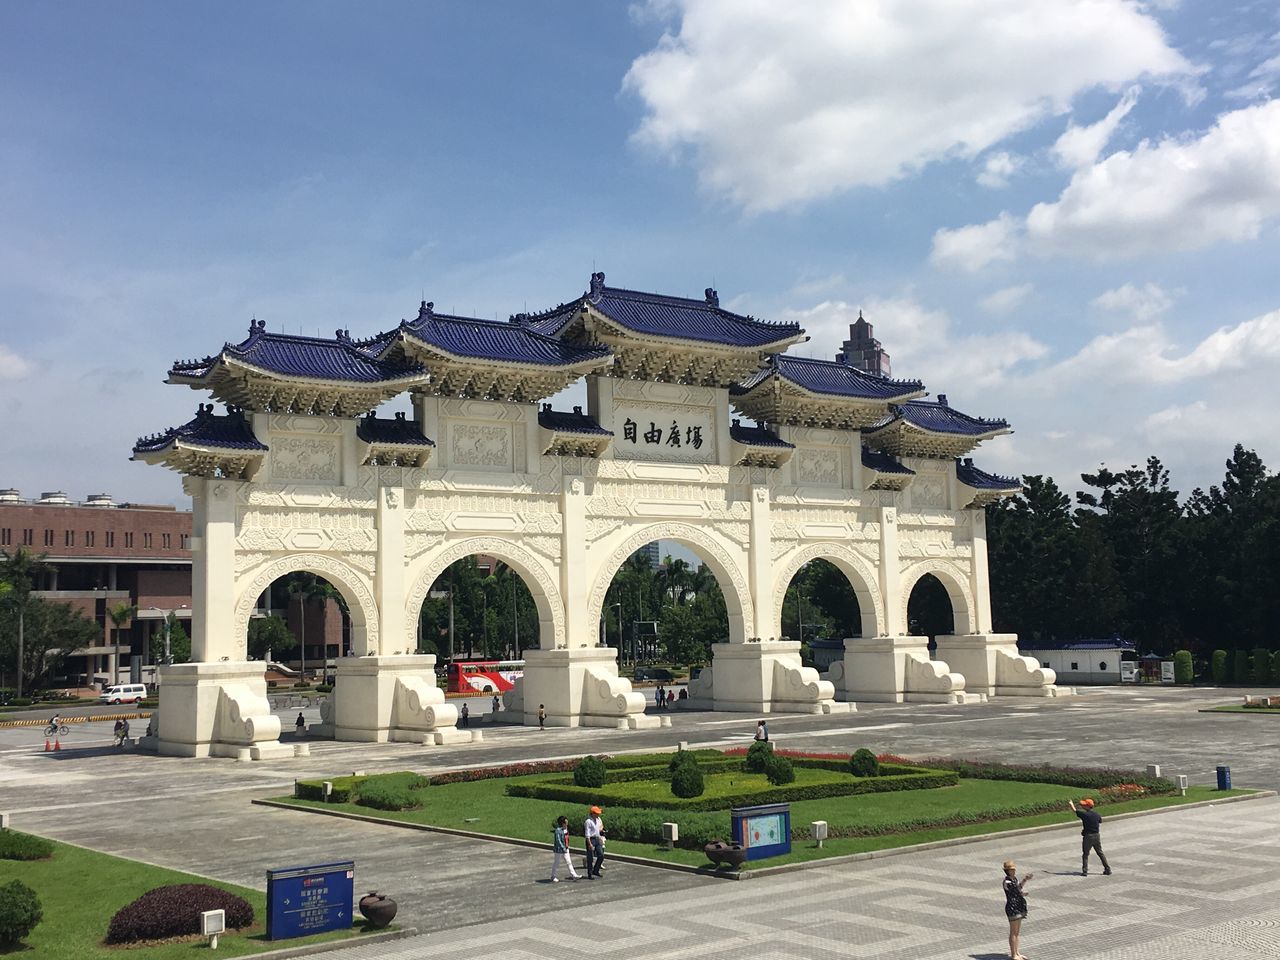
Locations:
398 431
757 437
938 417
830 377
676 318
883 462
492 340
288 355
230 431
1113 644
971 476
562 421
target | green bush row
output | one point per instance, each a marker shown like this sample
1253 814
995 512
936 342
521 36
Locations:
958 819
382 791
314 789
1088 778
645 826
23 846
1242 666
922 780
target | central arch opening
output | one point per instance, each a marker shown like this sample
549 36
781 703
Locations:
930 612
663 611
820 609
478 608
299 627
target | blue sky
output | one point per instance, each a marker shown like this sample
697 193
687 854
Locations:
1062 213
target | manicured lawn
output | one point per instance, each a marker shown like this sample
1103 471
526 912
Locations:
80 891
483 806
658 792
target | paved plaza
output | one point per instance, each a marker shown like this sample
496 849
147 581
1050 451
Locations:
1189 884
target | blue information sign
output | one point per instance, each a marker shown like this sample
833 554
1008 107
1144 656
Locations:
306 900
764 831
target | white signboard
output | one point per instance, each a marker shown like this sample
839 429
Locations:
657 431
1166 671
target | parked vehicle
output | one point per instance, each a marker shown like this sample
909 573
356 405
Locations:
123 693
655 674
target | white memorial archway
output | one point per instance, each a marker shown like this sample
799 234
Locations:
841 463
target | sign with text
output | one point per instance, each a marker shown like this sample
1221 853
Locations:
656 431
765 831
302 901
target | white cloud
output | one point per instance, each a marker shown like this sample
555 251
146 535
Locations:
1081 146
782 104
12 366
1262 80
1142 303
1002 301
974 247
1176 194
997 170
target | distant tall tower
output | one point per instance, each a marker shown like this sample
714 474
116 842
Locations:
863 350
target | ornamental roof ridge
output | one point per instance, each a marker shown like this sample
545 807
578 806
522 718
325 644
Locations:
938 411
231 430
709 303
878 387
972 476
509 341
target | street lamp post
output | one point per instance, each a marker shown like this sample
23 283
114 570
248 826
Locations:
168 614
618 607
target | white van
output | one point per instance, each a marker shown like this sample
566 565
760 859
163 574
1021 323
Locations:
123 693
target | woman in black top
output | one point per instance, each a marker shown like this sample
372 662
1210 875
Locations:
1015 905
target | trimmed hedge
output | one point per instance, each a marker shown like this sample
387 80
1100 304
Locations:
1240 667
1261 665
391 791
174 911
343 788
506 771
1218 666
922 779
590 772
863 763
1183 669
645 826
958 819
1088 778
20 911
23 846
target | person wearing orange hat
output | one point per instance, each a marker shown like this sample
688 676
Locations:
1090 835
593 830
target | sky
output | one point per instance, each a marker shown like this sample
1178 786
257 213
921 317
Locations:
1064 213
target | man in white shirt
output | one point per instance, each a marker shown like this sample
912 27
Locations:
593 830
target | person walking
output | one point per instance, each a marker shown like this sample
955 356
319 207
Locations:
762 732
300 726
497 704
1090 835
659 697
124 732
671 699
117 732
560 843
464 716
1015 906
593 831
542 716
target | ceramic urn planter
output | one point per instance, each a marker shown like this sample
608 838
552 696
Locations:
377 909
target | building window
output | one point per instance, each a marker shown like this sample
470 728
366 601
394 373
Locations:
88 538
146 541
183 540
164 539
1102 664
6 535
48 538
1075 665
111 538
128 539
28 537
69 538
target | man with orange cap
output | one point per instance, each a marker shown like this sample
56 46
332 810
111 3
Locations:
593 830
1090 835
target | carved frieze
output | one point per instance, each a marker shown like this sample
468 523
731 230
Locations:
480 445
304 459
817 467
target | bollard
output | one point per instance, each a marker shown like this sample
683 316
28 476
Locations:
328 789
819 828
4 821
1224 778
1182 783
670 834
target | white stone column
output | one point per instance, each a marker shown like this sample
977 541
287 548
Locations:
393 633
890 575
600 405
213 549
760 565
980 581
575 572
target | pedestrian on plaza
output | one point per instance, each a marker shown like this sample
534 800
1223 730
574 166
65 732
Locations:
1090 835
671 699
542 716
125 732
684 693
465 717
560 843
497 704
762 732
1015 905
659 697
593 831
300 726
117 732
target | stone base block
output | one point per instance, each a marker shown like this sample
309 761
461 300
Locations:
576 687
450 736
894 670
992 665
215 709
645 722
764 677
382 698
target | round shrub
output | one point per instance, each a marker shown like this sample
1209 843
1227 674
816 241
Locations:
21 702
324 688
391 791
23 846
1182 667
19 912
863 763
1218 666
1240 667
758 755
679 758
687 781
174 911
590 772
779 771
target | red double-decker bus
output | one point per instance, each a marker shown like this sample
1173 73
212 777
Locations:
484 676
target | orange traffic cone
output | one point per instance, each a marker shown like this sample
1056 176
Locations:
47 748
57 745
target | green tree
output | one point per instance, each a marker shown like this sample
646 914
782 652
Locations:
270 636
309 590
120 614
179 642
19 573
52 631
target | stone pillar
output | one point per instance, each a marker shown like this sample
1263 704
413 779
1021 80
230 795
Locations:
575 573
213 548
980 582
394 634
760 565
890 575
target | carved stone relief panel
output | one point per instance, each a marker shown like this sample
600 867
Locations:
817 467
305 459
480 446
928 492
